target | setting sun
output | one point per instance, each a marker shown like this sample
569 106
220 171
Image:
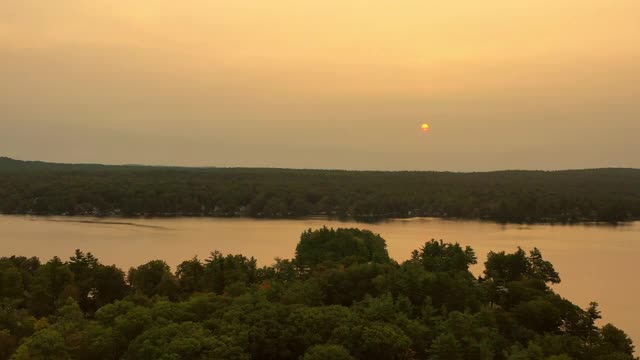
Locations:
425 127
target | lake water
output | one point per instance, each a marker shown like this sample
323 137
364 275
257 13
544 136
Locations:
595 262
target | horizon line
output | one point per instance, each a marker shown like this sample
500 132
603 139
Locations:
204 167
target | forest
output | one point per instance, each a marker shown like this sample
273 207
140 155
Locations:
341 297
596 195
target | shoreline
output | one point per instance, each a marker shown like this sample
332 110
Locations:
98 219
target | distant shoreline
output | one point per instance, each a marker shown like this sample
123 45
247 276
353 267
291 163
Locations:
99 219
504 197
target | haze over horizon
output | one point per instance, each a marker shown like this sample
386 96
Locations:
160 165
503 85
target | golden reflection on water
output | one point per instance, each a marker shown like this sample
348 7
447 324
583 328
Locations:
596 263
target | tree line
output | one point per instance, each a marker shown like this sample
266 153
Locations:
340 297
603 195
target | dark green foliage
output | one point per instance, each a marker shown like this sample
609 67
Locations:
518 266
153 278
186 340
327 352
190 274
346 285
341 298
108 285
97 284
446 347
608 195
340 245
45 344
230 274
436 256
52 282
614 341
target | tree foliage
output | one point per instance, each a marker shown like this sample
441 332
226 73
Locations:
608 195
340 298
340 246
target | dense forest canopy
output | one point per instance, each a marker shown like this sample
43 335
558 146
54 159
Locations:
608 195
341 297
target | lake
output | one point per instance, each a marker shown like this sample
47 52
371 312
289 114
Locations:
595 262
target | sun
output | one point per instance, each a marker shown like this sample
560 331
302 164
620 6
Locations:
425 127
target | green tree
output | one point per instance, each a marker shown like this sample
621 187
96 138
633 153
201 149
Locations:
340 246
614 341
327 352
438 256
542 269
52 282
221 271
446 347
47 344
517 266
183 341
383 341
190 275
109 285
153 278
506 267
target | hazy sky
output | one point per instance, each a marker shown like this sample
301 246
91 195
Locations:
536 84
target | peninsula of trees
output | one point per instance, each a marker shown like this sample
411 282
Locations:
340 298
601 195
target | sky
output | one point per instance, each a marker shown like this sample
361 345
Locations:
503 84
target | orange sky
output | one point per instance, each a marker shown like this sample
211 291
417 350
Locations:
331 84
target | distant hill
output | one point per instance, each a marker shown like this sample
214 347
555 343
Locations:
8 164
34 187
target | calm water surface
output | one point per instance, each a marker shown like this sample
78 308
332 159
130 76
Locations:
596 263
